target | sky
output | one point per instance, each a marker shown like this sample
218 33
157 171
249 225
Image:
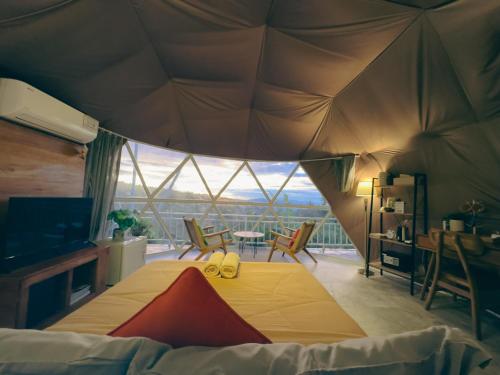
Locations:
157 163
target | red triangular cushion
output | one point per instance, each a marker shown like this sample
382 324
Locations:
294 237
190 312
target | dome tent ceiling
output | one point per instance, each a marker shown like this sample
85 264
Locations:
262 79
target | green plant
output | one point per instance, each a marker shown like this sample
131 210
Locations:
142 227
472 209
123 218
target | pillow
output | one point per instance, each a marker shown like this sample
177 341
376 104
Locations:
190 312
294 237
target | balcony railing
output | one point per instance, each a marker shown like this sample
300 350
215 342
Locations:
328 234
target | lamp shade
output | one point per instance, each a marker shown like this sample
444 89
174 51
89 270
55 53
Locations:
364 188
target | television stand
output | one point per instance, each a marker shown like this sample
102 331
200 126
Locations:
36 296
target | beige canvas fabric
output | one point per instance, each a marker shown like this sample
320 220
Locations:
412 84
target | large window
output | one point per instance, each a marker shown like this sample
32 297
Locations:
164 186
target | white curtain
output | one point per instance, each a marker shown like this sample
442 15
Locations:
101 176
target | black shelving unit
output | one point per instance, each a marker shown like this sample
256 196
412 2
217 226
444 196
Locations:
417 214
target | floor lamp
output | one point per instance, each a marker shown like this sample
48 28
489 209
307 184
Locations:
364 190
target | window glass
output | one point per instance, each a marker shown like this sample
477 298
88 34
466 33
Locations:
254 196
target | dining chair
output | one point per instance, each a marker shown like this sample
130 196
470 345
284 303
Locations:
452 272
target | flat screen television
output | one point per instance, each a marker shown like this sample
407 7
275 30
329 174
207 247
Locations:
41 228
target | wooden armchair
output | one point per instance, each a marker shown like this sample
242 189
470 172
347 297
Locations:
288 245
205 242
453 273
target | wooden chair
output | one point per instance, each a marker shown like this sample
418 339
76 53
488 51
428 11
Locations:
457 280
282 242
205 242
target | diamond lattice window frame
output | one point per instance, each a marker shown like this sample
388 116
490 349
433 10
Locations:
213 202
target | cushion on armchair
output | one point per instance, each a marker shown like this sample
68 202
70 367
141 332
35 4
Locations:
294 237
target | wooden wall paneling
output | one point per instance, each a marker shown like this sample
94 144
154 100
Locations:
33 163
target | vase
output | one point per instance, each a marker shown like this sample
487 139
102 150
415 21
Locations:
457 225
118 234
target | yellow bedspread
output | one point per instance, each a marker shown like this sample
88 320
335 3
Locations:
283 301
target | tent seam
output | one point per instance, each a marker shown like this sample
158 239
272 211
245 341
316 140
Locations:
437 6
422 87
310 45
254 93
37 12
150 41
167 74
236 24
257 70
367 21
379 55
487 122
455 73
319 129
269 11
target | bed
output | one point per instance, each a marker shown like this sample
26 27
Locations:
283 301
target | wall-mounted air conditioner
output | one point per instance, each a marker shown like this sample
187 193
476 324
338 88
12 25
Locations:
22 103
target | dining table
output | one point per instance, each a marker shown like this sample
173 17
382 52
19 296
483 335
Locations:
488 260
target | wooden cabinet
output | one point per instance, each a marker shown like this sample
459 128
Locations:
38 295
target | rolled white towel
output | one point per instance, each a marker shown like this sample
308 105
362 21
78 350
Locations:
230 265
212 267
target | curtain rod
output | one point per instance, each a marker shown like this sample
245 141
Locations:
230 158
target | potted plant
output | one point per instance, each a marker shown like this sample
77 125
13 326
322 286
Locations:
472 209
125 219
142 227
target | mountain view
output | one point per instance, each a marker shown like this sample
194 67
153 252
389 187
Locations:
157 164
184 185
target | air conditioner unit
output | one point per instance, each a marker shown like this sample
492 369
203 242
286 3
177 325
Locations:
22 103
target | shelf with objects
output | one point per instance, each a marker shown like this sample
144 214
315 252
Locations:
403 214
37 295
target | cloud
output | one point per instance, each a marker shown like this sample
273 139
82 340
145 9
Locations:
157 164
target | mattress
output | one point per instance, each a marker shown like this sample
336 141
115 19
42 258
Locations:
283 301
